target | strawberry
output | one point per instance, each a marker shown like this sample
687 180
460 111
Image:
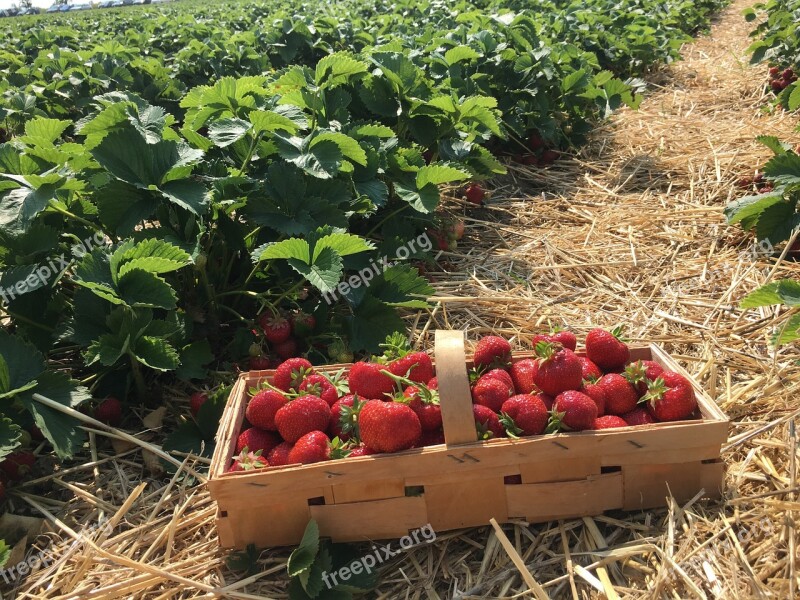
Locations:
539 338
256 439
787 74
638 416
606 350
303 324
670 397
641 372
312 447
609 422
339 352
319 385
433 383
559 370
248 461
777 85
565 338
535 141
279 455
410 396
442 243
596 393
18 464
502 376
342 423
431 438
109 411
491 392
575 411
475 193
366 380
259 363
276 328
548 157
529 159
388 426
589 370
286 349
416 366
487 423
774 71
524 414
197 400
621 396
430 415
301 416
290 373
428 156
492 351
361 451
457 229
546 400
523 373
262 408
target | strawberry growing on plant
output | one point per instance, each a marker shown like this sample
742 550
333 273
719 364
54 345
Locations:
286 349
276 328
303 324
197 400
259 363
474 193
18 464
109 411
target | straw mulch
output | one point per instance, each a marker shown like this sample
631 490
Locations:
629 231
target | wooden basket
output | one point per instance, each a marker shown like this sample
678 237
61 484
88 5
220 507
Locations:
461 483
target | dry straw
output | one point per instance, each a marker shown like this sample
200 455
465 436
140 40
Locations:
628 231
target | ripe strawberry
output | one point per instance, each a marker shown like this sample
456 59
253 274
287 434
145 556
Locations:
388 426
428 156
670 397
774 71
559 369
609 422
539 338
319 385
361 451
475 193
430 415
366 380
487 423
548 157
575 411
787 74
640 373
410 396
529 159
286 349
248 461
606 350
259 363
416 366
303 324
312 447
197 400
18 464
431 438
596 393
535 141
524 414
548 401
256 439
491 392
442 243
433 383
565 338
502 376
589 370
342 423
276 328
777 85
523 373
621 396
492 351
109 411
301 416
262 408
279 455
638 416
290 373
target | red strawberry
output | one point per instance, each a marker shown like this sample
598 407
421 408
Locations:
475 193
596 393
336 426
109 411
319 385
487 423
539 338
523 374
641 372
366 380
388 426
492 351
638 416
290 373
491 393
416 366
576 411
609 422
197 400
256 439
589 370
312 447
286 349
303 324
559 370
433 383
259 363
548 157
606 350
500 375
546 400
18 464
565 338
410 396
670 397
774 71
301 416
279 455
430 415
262 408
787 74
777 85
524 414
535 141
431 438
248 461
276 328
361 451
621 396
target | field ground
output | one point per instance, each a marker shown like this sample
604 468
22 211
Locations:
630 230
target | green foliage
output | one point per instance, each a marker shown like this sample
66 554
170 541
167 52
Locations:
786 292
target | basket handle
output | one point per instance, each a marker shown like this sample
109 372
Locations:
454 393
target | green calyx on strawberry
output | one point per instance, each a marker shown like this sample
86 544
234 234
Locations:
348 417
559 369
670 397
487 423
290 373
249 461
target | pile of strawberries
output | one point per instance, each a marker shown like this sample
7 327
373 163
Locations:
391 403
540 155
779 79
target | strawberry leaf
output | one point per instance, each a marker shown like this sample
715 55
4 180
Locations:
304 555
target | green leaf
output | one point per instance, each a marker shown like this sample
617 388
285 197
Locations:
303 556
438 174
44 131
227 131
323 160
123 206
312 579
139 288
785 291
193 358
794 97
293 248
10 434
152 255
748 209
269 121
773 143
107 349
790 332
783 169
23 362
349 147
424 200
337 69
20 206
577 79
325 271
344 244
156 353
5 377
5 553
402 286
371 322
191 195
460 53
